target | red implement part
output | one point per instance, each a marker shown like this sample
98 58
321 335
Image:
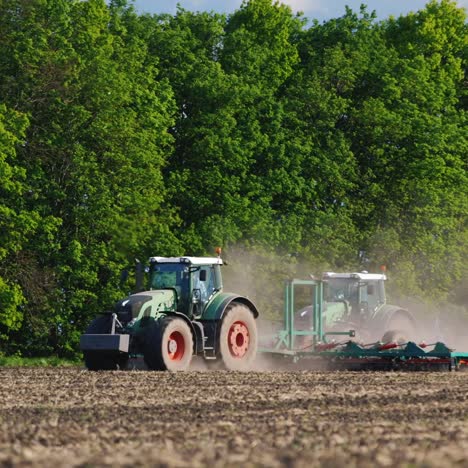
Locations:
176 346
423 344
326 346
391 345
238 339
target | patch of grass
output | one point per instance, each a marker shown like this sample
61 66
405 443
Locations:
52 361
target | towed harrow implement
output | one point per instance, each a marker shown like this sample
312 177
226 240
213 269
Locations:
383 356
349 354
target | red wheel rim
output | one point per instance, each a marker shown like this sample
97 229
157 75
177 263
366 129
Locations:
238 339
175 346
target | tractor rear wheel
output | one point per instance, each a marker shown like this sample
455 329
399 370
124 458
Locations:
400 330
169 345
238 338
97 360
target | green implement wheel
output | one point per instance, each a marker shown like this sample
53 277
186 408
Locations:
168 345
238 337
97 360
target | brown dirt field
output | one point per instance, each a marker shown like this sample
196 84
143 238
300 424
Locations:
72 417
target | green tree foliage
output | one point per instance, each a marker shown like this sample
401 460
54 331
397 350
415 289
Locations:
334 145
389 96
17 224
94 148
410 141
229 158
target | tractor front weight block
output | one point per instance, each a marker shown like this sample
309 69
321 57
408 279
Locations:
105 342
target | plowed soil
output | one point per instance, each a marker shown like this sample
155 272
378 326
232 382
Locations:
72 417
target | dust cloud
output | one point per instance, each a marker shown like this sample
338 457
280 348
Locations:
445 322
261 275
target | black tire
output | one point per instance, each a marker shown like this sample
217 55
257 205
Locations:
168 345
238 338
400 330
95 360
395 336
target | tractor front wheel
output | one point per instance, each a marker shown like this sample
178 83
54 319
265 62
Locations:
238 338
169 345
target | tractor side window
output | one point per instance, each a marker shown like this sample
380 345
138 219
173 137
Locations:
371 293
206 287
353 292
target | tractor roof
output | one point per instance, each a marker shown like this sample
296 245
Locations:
363 275
191 260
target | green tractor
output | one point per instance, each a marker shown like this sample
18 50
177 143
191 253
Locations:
357 301
184 313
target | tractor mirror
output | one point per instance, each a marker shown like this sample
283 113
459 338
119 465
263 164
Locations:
370 289
202 275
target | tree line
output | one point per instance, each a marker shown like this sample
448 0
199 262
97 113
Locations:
340 144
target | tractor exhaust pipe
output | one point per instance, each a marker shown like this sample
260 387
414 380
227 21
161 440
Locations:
139 276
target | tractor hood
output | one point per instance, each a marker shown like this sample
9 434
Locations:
163 300
146 304
334 311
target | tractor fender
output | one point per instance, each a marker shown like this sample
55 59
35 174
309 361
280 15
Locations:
213 314
389 312
217 307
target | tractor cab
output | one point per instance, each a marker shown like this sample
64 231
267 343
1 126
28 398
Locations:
352 297
194 280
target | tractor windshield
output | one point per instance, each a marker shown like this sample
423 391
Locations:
342 289
170 276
